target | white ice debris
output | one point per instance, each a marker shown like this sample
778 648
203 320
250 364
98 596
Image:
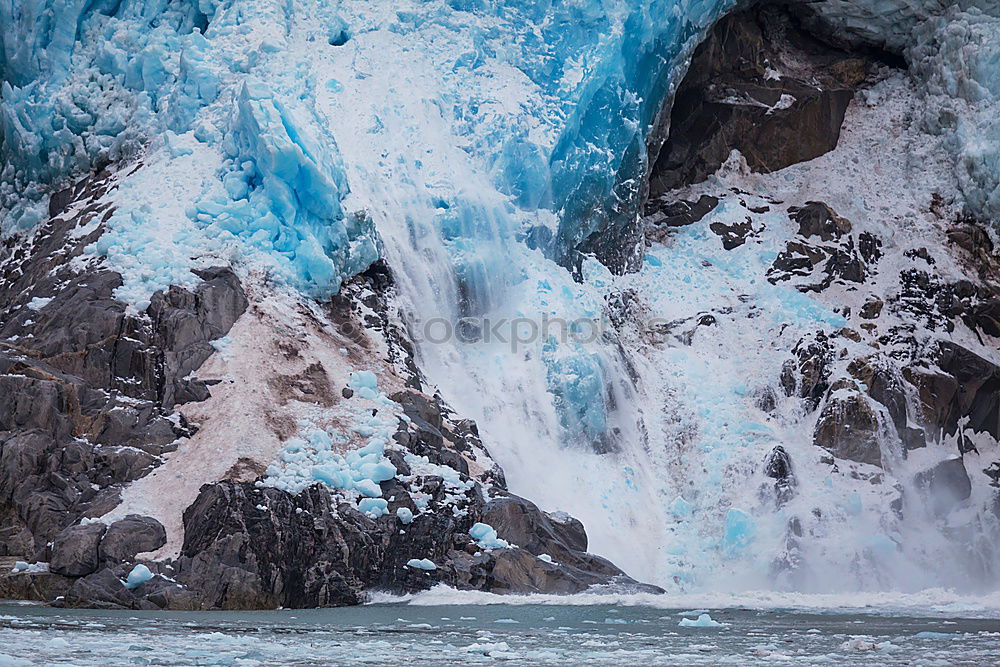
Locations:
703 621
486 537
421 564
39 302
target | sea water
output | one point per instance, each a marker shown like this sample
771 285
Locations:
576 630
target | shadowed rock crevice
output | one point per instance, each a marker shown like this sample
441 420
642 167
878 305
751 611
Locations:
761 85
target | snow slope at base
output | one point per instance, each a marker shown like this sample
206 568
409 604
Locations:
257 405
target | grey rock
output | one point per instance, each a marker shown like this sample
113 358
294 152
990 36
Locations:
75 550
848 426
978 390
132 535
884 383
946 485
520 522
101 590
86 388
778 466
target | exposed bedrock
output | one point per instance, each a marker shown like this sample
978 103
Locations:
760 85
911 386
87 388
88 400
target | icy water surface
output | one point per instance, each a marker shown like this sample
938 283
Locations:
398 634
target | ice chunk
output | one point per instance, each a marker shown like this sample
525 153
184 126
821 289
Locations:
367 487
739 530
680 508
703 621
405 515
486 537
373 507
421 564
139 575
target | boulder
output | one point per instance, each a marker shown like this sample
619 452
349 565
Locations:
75 550
946 485
132 535
849 426
520 522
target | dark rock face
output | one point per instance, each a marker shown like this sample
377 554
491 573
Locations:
849 426
808 374
824 250
761 86
946 484
86 389
884 383
130 536
977 395
778 466
305 551
75 550
682 213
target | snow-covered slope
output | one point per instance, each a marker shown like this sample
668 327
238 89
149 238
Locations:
478 147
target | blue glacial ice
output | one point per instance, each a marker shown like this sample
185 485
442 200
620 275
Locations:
486 537
421 564
137 576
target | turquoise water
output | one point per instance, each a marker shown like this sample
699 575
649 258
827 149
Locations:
402 634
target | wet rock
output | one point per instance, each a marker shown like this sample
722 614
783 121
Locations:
935 392
872 308
734 235
33 585
522 523
306 551
885 384
946 485
977 398
993 472
237 556
75 550
662 215
986 316
971 237
818 219
132 535
848 426
778 466
101 590
807 375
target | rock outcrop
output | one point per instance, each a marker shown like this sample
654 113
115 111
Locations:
88 399
760 85
87 389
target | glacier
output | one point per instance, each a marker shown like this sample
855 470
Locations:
480 147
